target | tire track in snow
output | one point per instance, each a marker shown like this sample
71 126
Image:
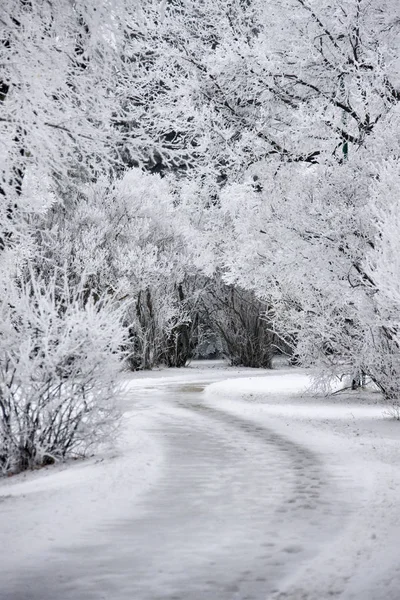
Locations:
306 518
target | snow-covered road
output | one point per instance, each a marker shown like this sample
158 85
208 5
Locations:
212 496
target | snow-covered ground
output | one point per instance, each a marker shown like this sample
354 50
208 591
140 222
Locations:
226 484
358 442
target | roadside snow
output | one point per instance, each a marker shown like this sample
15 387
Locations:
359 443
63 505
290 394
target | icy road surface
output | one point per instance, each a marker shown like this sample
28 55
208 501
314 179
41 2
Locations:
209 497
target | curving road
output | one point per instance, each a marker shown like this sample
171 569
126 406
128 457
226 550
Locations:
237 509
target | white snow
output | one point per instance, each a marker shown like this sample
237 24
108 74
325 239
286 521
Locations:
359 443
67 504
250 488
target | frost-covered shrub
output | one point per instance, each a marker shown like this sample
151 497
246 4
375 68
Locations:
59 355
165 324
236 315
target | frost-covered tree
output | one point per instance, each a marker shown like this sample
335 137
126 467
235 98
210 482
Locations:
246 81
75 90
291 104
66 80
319 244
126 237
63 89
239 320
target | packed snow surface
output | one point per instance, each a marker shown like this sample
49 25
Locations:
225 484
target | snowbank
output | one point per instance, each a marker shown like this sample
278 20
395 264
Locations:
291 394
59 506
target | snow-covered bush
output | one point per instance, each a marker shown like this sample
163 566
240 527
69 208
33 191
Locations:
60 352
238 318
